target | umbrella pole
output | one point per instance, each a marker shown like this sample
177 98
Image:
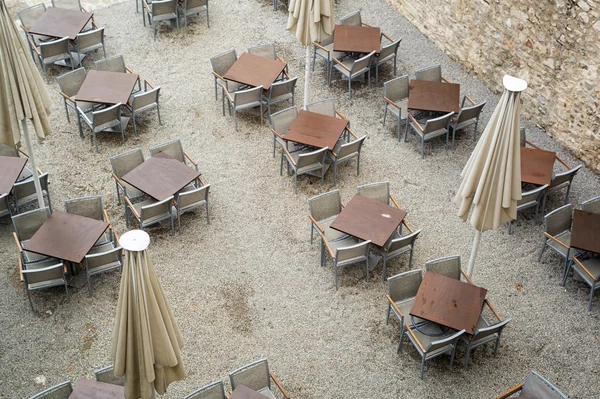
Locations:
36 177
474 253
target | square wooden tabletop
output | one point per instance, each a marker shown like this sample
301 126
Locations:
448 302
60 22
316 130
161 176
424 95
357 39
66 236
585 231
90 389
537 166
369 219
11 168
243 392
106 87
253 70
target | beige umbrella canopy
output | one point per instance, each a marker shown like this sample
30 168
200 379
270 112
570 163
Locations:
491 184
147 340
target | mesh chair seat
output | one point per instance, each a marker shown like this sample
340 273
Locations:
564 237
405 307
31 256
425 340
231 86
431 135
329 53
348 63
346 242
331 234
267 392
593 266
164 17
138 207
291 146
466 123
396 111
308 168
91 47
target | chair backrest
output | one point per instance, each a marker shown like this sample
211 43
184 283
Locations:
145 99
491 330
70 82
537 386
435 345
284 87
467 113
404 285
90 38
8 151
215 390
403 241
160 208
591 205
377 191
435 124
397 88
192 4
173 148
54 48
388 50
27 223
324 107
449 266
310 158
352 254
116 63
26 188
94 261
163 7
534 195
107 374
36 273
248 96
352 19
565 177
192 197
29 15
222 62
60 391
89 207
350 148
254 375
126 162
431 73
69 4
523 136
106 117
326 205
362 63
264 50
559 220
281 121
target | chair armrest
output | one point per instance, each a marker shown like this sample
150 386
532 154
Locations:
190 158
286 74
131 206
392 102
218 76
20 266
366 24
470 99
511 391
387 37
106 218
340 115
22 151
280 59
393 304
39 171
277 134
410 331
532 145
557 240
584 268
487 302
67 97
147 83
94 24
17 241
466 276
276 381
83 9
563 162
446 80
202 182
343 205
289 156
147 6
129 70
407 226
227 94
321 47
317 225
327 245
33 46
340 62
394 201
351 132
415 121
118 180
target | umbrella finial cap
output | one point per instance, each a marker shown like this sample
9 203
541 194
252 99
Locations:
514 84
135 240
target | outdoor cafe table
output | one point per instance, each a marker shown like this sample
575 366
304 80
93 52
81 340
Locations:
369 219
106 87
356 39
316 130
448 302
585 231
11 168
252 70
66 236
60 22
161 176
536 166
89 389
424 95
243 392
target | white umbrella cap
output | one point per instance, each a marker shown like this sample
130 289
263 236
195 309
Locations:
514 84
135 240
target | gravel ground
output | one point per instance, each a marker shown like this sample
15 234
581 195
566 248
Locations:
249 284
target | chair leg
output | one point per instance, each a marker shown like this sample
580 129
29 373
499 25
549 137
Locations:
452 356
385 109
543 249
350 86
387 315
88 283
422 365
376 74
358 165
134 125
335 276
566 273
466 364
334 173
422 148
401 341
384 268
235 118
406 132
30 301
158 112
178 222
295 181
95 141
592 289
207 214
67 110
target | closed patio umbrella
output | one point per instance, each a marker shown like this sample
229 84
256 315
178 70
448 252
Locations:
23 94
147 340
491 180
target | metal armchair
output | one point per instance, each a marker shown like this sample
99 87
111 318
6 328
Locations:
351 69
44 274
107 119
122 164
69 84
347 252
91 207
557 234
589 271
395 94
214 390
306 163
279 92
60 391
107 374
323 210
433 128
344 152
158 11
144 102
257 377
220 64
174 148
89 41
401 292
535 386
592 205
193 7
101 262
244 99
191 199
387 53
467 116
149 212
530 199
396 246
51 52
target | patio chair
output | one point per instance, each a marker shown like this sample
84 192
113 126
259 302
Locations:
44 274
116 63
4 206
401 292
28 16
69 84
557 234
352 19
191 199
323 209
144 102
325 107
396 246
279 92
588 270
344 152
280 122
395 94
193 7
535 386
214 390
305 163
107 375
432 129
561 181
591 205
347 252
324 49
530 199
467 116
174 148
24 192
351 68
51 52
431 73
484 333
220 64
107 119
25 226
257 377
158 11
244 99
430 341
101 262
91 207
149 212
60 391
89 41
386 54
76 6
121 165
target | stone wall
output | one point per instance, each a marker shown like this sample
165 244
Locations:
553 44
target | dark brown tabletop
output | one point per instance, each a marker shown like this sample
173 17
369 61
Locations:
161 176
107 87
424 95
10 169
89 389
536 166
316 130
585 231
66 236
357 39
60 22
243 392
253 70
369 219
448 302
